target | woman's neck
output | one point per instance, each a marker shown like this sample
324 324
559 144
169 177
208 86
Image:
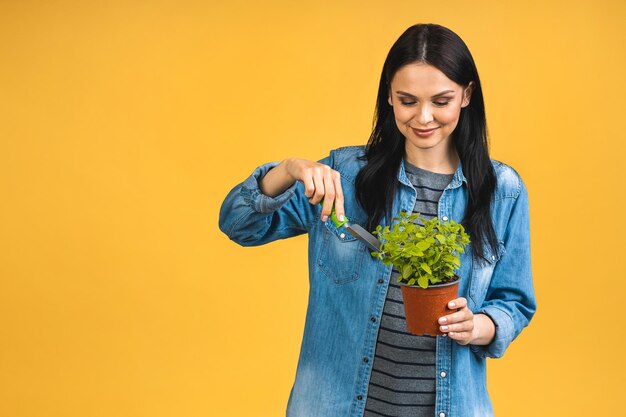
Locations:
428 159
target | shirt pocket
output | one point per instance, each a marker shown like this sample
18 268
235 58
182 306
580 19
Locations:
341 255
482 272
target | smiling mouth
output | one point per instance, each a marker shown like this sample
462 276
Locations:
424 130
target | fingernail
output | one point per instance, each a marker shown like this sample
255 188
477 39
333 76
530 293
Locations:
444 328
340 217
443 320
452 304
324 218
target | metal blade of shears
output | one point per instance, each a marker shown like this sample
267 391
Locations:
363 235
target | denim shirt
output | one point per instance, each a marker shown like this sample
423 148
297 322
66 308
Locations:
347 287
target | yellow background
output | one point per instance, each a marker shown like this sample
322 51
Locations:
124 124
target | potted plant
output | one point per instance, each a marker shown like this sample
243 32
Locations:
427 254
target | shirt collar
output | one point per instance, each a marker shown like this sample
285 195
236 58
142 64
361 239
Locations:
459 177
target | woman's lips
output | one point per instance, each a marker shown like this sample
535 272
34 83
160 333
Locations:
424 133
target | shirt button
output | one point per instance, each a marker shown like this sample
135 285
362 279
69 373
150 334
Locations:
359 397
493 257
373 319
443 374
366 360
380 280
442 414
342 235
445 219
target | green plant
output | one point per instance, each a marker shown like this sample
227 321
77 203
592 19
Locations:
427 253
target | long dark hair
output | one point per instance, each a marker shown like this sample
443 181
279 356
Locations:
377 181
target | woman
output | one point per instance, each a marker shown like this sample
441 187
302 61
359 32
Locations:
428 153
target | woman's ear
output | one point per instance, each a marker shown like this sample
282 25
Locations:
467 94
389 100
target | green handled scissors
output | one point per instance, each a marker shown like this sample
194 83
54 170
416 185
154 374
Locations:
355 230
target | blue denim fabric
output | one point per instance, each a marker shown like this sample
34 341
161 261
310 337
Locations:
348 287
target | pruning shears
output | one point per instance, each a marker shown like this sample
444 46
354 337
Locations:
355 230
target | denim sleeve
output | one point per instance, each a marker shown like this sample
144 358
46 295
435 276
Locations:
510 300
251 218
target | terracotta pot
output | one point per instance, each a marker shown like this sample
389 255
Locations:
423 307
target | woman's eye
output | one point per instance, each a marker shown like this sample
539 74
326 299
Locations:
437 103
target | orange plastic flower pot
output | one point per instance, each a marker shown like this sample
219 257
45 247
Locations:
423 307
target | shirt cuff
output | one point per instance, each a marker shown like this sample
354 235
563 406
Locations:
502 338
258 201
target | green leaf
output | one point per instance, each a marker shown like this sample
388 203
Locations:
422 282
407 270
426 268
423 245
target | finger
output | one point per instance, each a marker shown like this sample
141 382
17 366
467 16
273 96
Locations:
329 195
318 183
464 326
338 196
461 315
309 184
462 338
329 186
457 303
329 192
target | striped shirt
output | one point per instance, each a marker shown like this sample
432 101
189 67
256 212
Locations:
402 382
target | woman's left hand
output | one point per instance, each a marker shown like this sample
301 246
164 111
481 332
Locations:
458 326
466 327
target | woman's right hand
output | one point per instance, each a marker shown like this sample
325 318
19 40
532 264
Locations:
319 180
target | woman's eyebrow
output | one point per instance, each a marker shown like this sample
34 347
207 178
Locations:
436 95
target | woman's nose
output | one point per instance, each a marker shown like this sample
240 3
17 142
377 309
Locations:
424 115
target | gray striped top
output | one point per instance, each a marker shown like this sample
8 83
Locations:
402 383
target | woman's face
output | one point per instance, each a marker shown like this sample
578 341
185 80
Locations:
424 98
